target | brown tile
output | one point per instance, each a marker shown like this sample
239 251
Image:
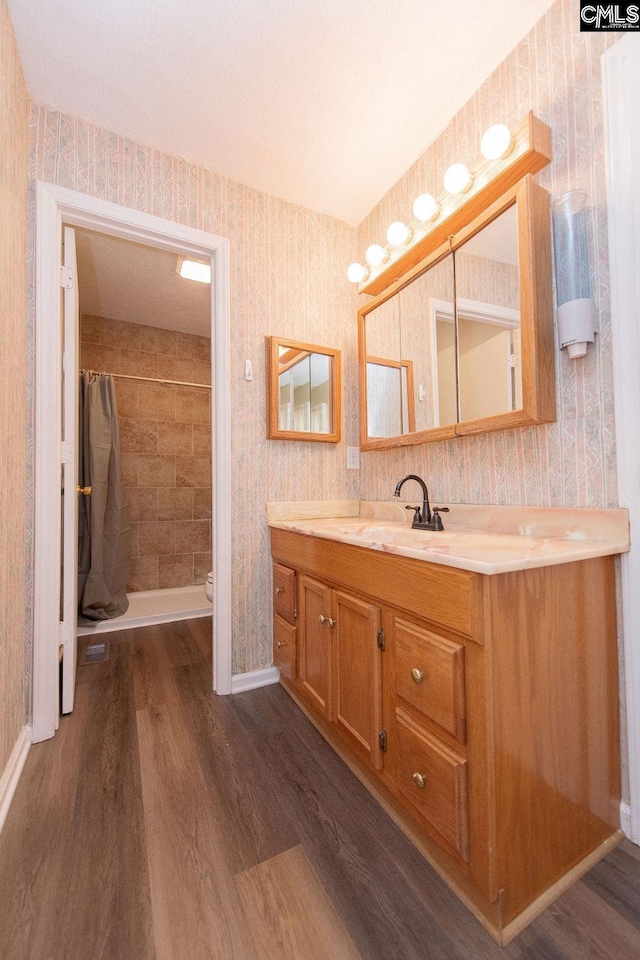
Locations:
157 401
173 368
202 371
193 536
175 571
135 540
120 333
157 537
193 406
157 471
144 574
202 504
194 347
90 328
202 566
193 472
138 436
155 340
202 439
127 398
93 356
138 364
143 503
175 438
130 469
175 504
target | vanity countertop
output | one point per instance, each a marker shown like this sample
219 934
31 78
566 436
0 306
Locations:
481 538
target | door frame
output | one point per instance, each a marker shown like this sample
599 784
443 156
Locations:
55 205
622 152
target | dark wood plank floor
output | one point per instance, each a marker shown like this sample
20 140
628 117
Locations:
164 823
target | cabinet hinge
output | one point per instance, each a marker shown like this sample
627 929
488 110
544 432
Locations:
66 277
382 740
382 641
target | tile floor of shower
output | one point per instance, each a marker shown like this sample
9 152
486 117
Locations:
156 606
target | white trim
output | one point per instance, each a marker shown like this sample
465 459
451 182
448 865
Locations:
625 818
55 204
253 679
476 310
621 89
12 771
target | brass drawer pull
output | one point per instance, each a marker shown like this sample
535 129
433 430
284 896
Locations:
417 675
279 590
331 622
85 491
322 619
281 643
419 780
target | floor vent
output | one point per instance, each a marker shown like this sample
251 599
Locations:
95 653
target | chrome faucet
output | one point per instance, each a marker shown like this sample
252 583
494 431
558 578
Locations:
423 518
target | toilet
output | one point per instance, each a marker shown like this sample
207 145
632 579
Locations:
208 588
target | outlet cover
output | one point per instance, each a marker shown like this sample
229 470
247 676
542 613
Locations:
353 458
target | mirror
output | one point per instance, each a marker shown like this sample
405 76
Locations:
463 342
304 391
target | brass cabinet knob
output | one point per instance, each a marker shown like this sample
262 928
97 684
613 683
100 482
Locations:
85 491
279 590
322 619
281 643
331 622
419 780
417 675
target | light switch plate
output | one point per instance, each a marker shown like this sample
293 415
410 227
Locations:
353 458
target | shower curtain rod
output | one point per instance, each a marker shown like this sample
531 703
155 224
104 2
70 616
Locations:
128 376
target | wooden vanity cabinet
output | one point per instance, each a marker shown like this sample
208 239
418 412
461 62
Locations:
481 711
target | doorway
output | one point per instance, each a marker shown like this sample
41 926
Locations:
56 206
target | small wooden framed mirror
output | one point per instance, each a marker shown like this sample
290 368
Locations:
303 399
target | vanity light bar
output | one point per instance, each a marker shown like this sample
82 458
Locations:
508 155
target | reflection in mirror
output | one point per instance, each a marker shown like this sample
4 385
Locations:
390 404
488 305
304 401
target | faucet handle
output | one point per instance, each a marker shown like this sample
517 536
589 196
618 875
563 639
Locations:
417 517
437 519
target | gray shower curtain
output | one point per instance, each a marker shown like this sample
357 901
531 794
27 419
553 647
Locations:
104 532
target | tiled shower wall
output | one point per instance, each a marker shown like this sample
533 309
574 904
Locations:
554 71
165 439
287 278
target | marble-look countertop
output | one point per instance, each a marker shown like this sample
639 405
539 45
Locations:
485 539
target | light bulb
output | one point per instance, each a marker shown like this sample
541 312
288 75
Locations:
398 233
457 179
356 272
425 207
496 142
375 255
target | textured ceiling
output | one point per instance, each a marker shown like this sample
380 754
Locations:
128 281
324 103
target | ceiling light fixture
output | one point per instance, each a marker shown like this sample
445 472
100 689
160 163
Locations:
425 207
194 270
496 142
457 179
376 255
398 233
357 273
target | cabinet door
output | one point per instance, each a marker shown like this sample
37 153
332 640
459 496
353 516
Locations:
314 658
357 674
284 647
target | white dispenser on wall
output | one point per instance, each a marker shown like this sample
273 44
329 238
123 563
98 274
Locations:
577 322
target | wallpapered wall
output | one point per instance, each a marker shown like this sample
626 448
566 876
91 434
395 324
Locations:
554 71
165 440
287 277
13 384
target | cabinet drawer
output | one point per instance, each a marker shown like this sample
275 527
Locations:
430 676
284 647
284 592
434 780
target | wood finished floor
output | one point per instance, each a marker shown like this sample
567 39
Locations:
164 823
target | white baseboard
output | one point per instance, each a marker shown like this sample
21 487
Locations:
625 818
12 771
254 678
